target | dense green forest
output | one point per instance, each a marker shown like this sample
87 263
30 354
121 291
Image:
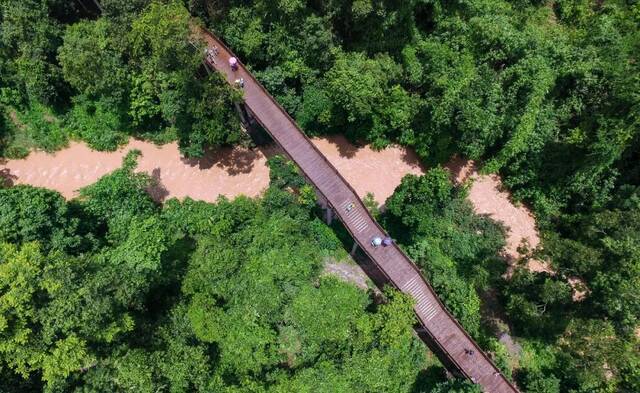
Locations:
133 71
545 93
111 292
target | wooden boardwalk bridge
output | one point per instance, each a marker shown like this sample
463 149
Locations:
438 328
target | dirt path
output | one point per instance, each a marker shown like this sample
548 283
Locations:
348 271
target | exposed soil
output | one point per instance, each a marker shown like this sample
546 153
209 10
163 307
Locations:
349 272
513 348
580 290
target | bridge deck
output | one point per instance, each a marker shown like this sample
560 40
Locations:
442 329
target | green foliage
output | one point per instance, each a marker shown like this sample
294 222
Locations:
30 214
190 297
29 41
38 127
159 35
315 114
521 86
596 352
122 10
251 295
69 355
372 205
96 123
369 103
121 195
284 173
537 70
20 273
591 353
165 64
132 71
4 130
418 197
431 208
539 383
209 121
451 244
12 144
456 386
544 93
458 295
534 300
602 249
91 61
194 218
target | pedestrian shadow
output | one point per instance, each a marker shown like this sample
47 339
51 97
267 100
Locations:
157 190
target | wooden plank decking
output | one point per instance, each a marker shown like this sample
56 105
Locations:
442 330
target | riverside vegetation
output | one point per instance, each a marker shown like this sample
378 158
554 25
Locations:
111 292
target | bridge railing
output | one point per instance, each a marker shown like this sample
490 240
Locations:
373 258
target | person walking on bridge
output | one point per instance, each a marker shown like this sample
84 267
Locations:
376 241
233 63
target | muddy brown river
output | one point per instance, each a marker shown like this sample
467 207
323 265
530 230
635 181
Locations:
238 171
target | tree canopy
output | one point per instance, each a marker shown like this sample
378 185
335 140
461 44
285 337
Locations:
112 292
134 70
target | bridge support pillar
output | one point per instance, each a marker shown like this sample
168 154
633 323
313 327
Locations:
329 215
256 132
322 202
242 114
354 248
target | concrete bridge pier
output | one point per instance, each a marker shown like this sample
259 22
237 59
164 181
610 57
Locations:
329 214
242 112
251 126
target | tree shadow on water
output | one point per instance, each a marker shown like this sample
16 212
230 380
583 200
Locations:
233 160
157 190
271 150
410 157
7 179
345 147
